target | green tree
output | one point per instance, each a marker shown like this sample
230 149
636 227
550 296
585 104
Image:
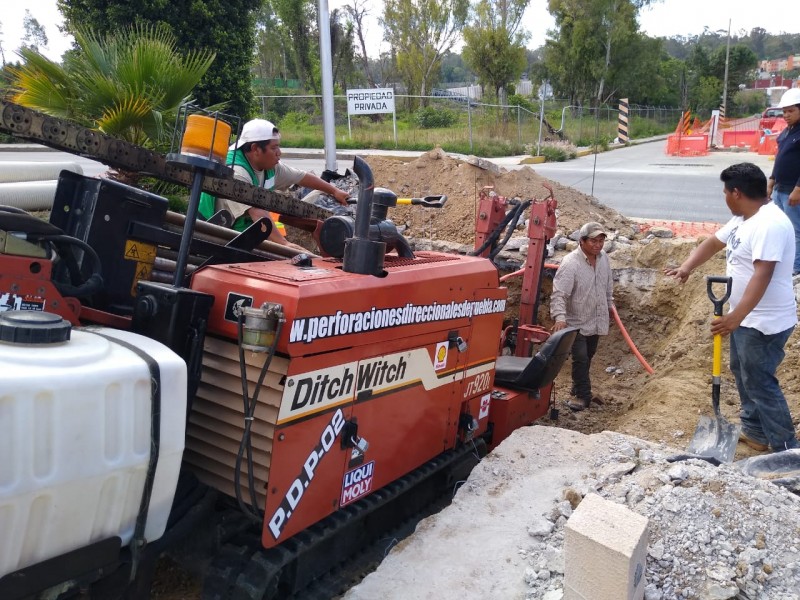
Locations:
748 102
2 52
421 32
224 27
494 48
357 11
742 64
582 55
342 49
298 30
127 85
705 95
271 60
35 36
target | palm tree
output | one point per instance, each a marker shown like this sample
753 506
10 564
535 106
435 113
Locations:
128 85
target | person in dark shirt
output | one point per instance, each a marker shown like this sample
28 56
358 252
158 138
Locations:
784 183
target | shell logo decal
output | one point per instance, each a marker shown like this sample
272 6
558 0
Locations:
440 359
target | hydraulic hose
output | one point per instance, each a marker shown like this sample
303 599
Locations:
495 235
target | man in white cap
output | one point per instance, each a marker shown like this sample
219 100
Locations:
583 297
783 185
256 159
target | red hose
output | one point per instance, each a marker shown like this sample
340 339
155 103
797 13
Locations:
617 320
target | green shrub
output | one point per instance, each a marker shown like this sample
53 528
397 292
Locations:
601 142
524 102
294 120
554 151
431 118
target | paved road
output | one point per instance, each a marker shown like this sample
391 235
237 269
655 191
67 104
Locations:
639 181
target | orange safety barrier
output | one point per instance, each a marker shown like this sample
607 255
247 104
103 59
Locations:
739 139
768 145
768 142
682 229
687 145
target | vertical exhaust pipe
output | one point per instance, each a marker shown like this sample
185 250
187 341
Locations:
361 255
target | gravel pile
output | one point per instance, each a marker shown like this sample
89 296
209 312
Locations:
714 532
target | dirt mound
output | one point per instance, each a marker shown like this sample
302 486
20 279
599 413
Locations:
438 173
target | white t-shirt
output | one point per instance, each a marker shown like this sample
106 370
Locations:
768 235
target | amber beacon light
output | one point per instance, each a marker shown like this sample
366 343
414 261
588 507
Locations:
203 137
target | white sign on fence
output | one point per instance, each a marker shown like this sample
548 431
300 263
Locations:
370 101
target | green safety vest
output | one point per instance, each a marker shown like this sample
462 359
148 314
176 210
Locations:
208 202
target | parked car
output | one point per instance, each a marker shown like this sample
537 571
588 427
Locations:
769 116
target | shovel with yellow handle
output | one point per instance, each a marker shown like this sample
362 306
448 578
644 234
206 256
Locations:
426 201
716 437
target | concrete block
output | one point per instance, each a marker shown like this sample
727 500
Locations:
605 549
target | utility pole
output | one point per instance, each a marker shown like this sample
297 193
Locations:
328 123
725 83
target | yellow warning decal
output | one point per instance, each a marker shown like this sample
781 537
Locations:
140 252
143 271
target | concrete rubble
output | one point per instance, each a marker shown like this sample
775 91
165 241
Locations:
714 533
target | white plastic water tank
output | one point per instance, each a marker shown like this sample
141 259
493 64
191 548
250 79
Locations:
75 438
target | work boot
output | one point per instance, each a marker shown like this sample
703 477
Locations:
754 444
578 405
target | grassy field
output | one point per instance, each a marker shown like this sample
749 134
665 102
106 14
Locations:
480 130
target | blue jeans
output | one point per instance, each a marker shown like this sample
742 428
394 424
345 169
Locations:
781 199
765 415
583 349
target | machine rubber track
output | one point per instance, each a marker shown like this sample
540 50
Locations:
327 558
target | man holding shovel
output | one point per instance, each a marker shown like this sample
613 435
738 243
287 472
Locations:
759 250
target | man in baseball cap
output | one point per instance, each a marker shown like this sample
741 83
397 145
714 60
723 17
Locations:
256 159
591 230
257 130
583 298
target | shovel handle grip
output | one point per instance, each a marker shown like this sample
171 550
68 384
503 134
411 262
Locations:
718 301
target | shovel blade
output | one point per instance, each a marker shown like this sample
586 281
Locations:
715 437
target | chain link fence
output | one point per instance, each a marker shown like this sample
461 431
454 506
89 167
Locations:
457 121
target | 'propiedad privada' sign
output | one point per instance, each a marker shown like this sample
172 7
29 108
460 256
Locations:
370 101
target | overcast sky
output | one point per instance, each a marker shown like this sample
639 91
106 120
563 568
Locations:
666 18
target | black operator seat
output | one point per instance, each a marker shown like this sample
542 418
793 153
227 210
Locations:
531 374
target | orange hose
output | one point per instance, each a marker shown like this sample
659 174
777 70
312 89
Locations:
522 270
628 339
617 320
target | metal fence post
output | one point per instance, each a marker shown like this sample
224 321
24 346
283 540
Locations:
519 125
469 122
